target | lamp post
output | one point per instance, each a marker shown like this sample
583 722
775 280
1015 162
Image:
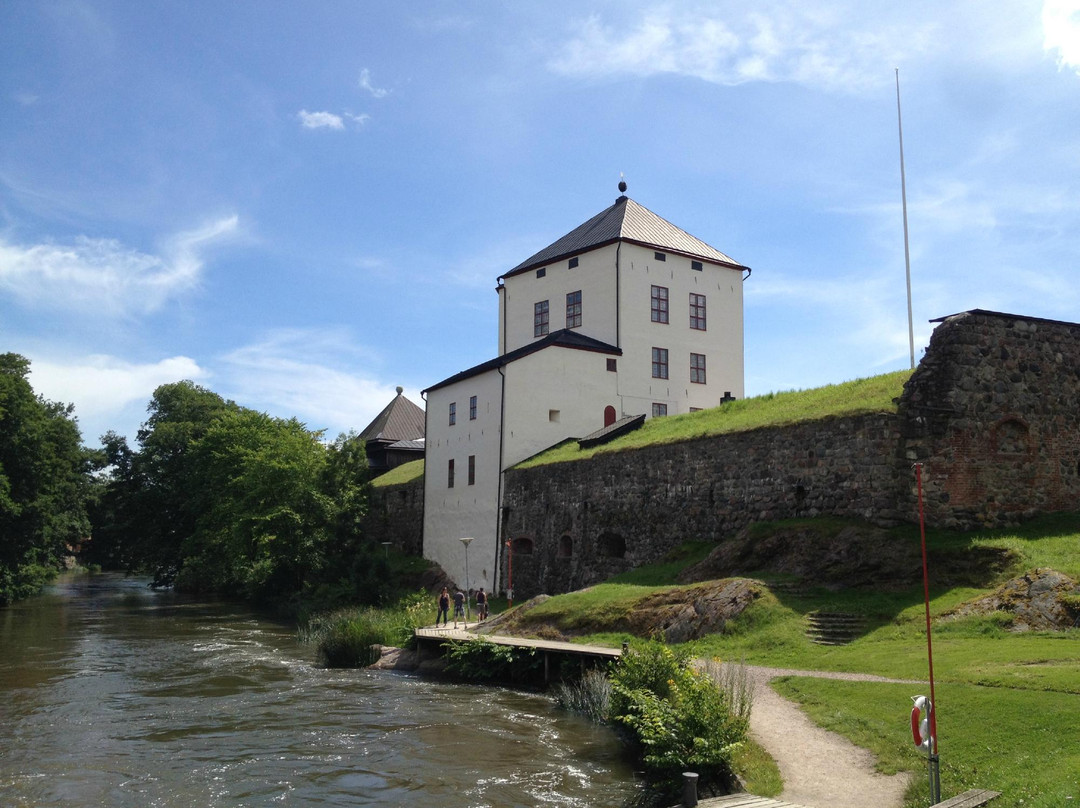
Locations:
466 541
510 573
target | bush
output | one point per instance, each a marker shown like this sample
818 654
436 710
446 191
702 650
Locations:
484 660
679 718
589 696
344 638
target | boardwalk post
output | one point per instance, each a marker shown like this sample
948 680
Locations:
689 789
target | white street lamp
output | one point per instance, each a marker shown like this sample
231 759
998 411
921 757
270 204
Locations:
466 541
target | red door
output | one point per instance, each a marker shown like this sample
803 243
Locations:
609 416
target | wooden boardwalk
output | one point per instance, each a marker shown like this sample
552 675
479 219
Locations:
744 801
431 635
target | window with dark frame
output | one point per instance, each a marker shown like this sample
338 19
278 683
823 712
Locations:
659 363
472 469
659 256
540 318
573 309
472 408
659 410
696 266
697 311
450 473
612 365
453 413
658 305
541 272
697 368
571 263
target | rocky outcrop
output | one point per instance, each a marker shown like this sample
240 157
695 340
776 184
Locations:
1039 600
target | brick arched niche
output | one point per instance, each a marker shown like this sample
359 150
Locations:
611 545
522 545
566 546
1011 436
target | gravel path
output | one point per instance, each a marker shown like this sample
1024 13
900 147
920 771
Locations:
820 768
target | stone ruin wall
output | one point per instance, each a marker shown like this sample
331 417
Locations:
992 413
396 515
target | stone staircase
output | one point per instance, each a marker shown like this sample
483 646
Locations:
834 628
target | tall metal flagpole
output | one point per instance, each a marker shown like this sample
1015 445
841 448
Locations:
903 196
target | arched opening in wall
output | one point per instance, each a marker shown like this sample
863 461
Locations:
523 545
609 415
566 547
1011 437
612 545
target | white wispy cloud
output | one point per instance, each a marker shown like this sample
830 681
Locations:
320 120
365 84
312 374
773 42
1061 32
104 276
109 393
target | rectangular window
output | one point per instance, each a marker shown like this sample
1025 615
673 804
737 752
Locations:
659 304
540 318
541 272
453 413
571 263
472 408
658 410
659 363
696 266
697 368
697 311
659 256
612 365
450 473
472 469
573 310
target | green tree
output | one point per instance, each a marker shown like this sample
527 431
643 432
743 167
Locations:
44 483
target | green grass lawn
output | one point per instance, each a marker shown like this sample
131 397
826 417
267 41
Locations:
1009 703
405 473
875 394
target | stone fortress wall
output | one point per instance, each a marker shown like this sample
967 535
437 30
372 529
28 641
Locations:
992 413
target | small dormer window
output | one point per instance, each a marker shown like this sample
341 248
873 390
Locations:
572 263
659 256
541 272
695 265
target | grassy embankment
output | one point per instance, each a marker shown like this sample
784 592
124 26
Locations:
1009 703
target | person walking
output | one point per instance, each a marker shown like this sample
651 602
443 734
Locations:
444 607
459 607
481 604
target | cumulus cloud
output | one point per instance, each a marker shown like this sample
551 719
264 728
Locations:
365 84
311 374
1061 32
104 276
320 120
109 393
776 42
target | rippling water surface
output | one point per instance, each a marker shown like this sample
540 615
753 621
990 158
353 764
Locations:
115 695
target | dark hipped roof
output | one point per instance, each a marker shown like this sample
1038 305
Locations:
563 338
400 420
627 220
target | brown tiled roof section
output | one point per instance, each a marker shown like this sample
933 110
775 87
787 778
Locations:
628 220
400 420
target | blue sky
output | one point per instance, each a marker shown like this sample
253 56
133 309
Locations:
303 205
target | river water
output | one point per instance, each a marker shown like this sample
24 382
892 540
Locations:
112 694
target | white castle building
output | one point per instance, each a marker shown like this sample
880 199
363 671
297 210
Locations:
626 315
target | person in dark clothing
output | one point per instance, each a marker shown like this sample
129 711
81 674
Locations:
444 607
459 607
481 604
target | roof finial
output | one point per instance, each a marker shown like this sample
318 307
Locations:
622 182
400 390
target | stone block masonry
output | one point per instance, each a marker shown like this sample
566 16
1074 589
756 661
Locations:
396 515
992 413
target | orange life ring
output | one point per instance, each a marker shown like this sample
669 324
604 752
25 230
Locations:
920 725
